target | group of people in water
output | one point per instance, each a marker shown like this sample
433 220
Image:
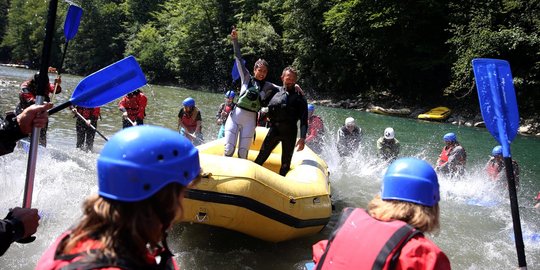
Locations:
141 189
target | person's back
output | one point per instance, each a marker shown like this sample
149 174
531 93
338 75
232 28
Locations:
389 235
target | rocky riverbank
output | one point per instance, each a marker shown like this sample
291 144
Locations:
463 112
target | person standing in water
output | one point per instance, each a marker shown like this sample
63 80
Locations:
495 166
224 111
27 97
85 133
388 146
453 157
190 121
133 108
390 233
315 133
349 137
143 173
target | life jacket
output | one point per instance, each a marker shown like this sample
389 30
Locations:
89 113
190 120
360 241
27 96
250 98
493 169
445 154
134 105
94 259
227 108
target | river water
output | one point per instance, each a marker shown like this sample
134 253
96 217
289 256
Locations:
473 236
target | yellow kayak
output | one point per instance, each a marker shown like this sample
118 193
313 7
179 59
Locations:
439 113
240 195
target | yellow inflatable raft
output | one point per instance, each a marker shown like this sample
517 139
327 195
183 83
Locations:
439 113
240 195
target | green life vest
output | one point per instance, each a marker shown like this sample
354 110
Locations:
250 99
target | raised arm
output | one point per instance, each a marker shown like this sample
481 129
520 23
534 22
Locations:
242 70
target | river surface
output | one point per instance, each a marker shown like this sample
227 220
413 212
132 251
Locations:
473 236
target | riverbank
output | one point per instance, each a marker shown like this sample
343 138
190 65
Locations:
464 111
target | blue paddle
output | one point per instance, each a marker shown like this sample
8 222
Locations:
499 110
106 85
71 26
98 88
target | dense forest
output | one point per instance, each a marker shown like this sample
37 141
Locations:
418 50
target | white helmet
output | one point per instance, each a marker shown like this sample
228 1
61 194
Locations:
389 133
349 120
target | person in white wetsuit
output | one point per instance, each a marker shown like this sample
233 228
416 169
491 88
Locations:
254 94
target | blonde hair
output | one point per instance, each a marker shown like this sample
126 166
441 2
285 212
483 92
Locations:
421 217
125 228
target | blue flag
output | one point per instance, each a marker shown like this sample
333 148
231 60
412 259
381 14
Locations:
234 73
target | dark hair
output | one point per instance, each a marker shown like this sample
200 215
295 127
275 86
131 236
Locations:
291 70
261 62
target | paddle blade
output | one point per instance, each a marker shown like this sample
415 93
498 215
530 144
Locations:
109 83
497 98
235 74
73 19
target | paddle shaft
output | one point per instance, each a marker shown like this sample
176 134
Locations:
43 84
518 235
90 125
59 74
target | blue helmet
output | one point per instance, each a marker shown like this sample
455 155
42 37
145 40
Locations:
450 137
230 94
137 162
497 150
411 180
188 102
310 107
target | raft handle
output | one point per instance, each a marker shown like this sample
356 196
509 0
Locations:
201 217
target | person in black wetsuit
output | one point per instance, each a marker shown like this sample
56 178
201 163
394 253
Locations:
284 110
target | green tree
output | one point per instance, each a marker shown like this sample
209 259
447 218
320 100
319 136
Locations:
504 29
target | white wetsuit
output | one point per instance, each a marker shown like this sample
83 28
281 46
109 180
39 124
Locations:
241 123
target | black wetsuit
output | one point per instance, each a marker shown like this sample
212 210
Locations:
284 110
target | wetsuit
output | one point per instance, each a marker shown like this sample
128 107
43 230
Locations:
348 141
222 117
10 133
11 230
27 97
284 110
388 148
135 105
315 133
242 121
86 134
189 121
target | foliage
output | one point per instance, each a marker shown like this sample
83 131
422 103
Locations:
420 50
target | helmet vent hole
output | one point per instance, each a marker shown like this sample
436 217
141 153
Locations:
175 153
146 187
160 157
186 174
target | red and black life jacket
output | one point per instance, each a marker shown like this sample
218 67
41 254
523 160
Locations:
360 241
94 259
89 113
190 120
